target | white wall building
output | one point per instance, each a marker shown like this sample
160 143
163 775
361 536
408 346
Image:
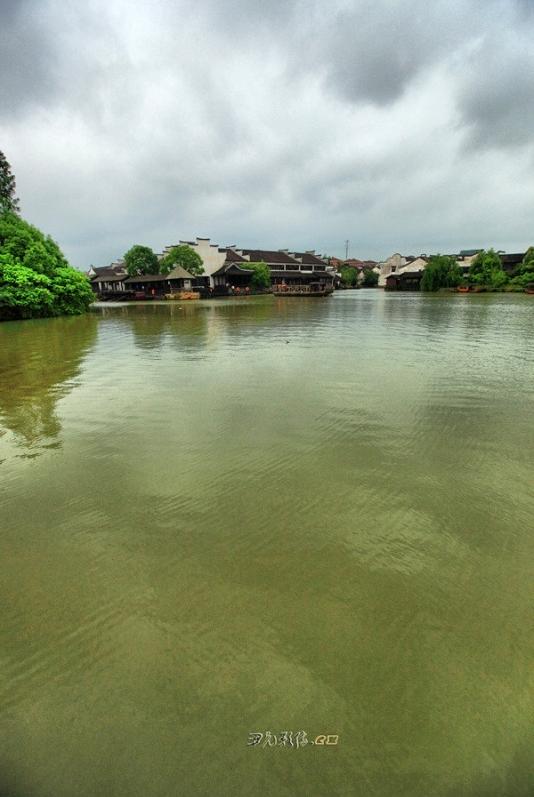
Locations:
212 256
390 266
419 264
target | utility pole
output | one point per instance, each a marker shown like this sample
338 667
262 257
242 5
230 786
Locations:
347 242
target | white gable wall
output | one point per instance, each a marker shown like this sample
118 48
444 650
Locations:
390 266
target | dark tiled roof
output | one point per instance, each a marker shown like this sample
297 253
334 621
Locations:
232 268
146 278
114 268
307 259
179 273
111 277
512 259
233 257
268 256
405 275
103 271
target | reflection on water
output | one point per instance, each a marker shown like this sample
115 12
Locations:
271 514
40 362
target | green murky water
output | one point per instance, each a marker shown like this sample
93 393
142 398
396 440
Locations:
269 515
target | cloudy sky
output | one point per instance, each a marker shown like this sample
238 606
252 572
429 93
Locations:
401 125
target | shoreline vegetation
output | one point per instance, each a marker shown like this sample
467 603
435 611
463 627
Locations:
486 274
36 280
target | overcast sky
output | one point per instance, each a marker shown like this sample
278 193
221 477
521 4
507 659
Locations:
402 125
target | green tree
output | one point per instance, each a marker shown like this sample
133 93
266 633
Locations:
528 260
370 278
8 200
141 260
24 293
183 256
486 270
442 271
69 287
525 272
349 276
35 278
261 278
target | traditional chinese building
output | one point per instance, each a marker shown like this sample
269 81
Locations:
108 279
157 285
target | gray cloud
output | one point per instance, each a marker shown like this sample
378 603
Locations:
375 54
496 92
290 123
525 6
27 57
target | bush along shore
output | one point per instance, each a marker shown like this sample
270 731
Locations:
486 273
35 278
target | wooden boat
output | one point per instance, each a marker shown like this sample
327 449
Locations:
530 288
463 288
313 289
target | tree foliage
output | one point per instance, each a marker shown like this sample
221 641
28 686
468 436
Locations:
525 273
349 276
35 278
486 270
8 200
528 260
183 256
370 278
141 260
442 271
261 278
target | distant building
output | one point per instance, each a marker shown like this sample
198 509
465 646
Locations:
510 262
233 273
295 268
405 273
360 266
390 266
407 277
225 267
160 284
352 262
335 263
212 256
108 279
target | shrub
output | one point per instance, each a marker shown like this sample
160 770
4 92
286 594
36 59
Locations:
35 278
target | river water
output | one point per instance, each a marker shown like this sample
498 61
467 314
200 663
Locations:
265 515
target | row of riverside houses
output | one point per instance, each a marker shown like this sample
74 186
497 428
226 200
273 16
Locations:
359 266
225 270
399 273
